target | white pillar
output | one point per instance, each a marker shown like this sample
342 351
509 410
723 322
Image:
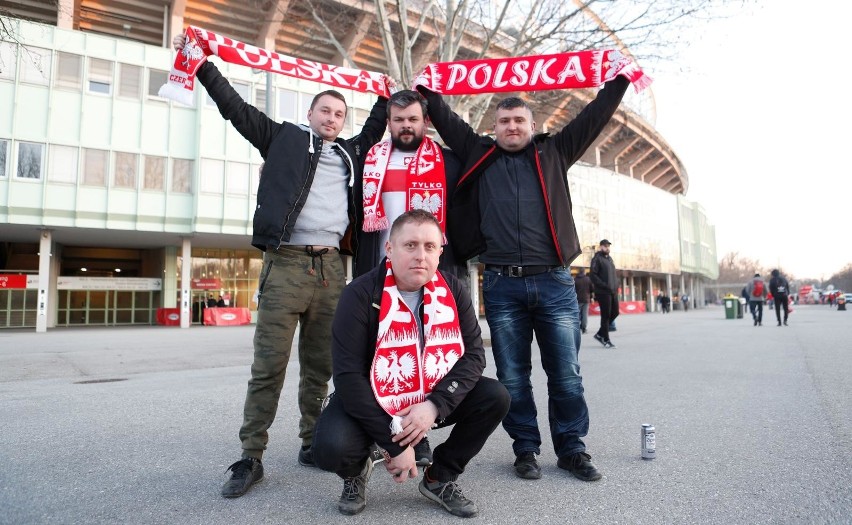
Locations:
45 253
185 273
473 275
171 295
652 299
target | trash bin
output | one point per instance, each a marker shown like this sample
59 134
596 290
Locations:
740 307
731 308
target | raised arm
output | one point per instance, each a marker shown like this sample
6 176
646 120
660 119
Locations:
252 123
576 137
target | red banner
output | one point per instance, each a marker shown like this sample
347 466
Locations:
168 316
624 307
206 284
8 280
223 316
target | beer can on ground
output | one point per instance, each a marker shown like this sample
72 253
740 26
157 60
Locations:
649 441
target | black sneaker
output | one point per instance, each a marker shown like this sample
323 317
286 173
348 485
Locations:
580 465
306 456
245 473
353 499
526 466
609 344
600 339
448 495
423 453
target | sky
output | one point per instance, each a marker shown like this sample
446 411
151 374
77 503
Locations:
761 120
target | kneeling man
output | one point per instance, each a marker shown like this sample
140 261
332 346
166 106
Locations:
407 356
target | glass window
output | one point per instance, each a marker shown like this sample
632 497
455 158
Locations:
155 170
238 178
30 160
305 99
129 81
156 79
4 154
260 100
63 164
182 175
100 76
211 176
255 177
35 66
95 166
124 174
69 70
242 90
8 60
287 104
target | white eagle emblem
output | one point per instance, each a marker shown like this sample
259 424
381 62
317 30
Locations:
370 189
427 202
395 372
438 364
191 52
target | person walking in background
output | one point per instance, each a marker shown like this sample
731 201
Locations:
665 303
757 291
605 280
583 285
780 290
305 205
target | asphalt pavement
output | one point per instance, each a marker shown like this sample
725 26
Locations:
137 425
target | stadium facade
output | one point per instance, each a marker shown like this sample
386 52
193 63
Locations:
116 203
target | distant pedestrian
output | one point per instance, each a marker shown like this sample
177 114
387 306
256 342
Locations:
780 289
757 291
665 303
583 285
211 301
602 273
685 300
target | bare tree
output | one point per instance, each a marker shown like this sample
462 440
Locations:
416 32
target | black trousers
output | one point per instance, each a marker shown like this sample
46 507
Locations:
341 445
609 311
756 310
781 301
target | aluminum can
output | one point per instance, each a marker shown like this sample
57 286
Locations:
649 441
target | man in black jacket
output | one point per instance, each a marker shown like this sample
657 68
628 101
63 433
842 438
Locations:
512 208
368 387
780 290
605 279
305 204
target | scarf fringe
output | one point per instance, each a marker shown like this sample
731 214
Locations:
374 223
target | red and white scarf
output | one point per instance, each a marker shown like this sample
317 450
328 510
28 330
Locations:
201 43
401 375
425 183
581 69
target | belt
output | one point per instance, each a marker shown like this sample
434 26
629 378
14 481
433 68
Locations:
520 271
300 248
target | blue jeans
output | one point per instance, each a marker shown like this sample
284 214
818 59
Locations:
544 304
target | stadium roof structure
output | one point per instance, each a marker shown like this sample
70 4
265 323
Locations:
629 145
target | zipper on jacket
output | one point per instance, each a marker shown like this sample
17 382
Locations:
304 186
547 206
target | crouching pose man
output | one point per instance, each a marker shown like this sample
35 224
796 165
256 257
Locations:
407 356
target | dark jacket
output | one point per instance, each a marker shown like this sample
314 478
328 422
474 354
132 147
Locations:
354 333
583 285
602 273
551 155
290 161
779 286
369 247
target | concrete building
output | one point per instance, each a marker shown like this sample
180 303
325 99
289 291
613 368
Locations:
116 203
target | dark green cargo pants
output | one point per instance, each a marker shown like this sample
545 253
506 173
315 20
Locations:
291 293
